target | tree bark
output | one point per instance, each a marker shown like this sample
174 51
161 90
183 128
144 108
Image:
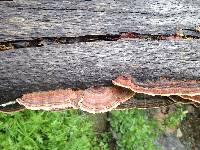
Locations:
85 60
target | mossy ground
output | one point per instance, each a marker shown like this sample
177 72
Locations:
72 130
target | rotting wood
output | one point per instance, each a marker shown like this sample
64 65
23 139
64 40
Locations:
45 41
155 40
195 98
83 65
25 19
144 101
11 106
184 100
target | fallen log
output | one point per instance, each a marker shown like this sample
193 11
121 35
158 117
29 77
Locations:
56 45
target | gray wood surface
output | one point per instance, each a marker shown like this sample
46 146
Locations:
24 18
83 65
86 64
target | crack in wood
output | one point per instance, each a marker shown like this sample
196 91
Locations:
8 103
43 41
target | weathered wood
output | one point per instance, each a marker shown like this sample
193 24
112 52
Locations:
143 101
11 106
83 65
23 19
97 63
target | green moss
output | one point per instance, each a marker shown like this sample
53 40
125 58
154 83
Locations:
133 130
32 130
173 119
72 130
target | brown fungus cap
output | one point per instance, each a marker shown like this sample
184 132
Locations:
103 99
195 98
48 100
164 87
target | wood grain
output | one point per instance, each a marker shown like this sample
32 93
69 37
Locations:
82 65
24 19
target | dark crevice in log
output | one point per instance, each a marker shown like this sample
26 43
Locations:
43 41
146 101
68 9
113 140
11 106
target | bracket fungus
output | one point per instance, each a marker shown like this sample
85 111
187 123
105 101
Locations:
51 100
163 87
94 100
103 99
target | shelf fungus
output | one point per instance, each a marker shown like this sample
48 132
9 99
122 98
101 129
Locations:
103 99
51 100
93 100
163 87
120 96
